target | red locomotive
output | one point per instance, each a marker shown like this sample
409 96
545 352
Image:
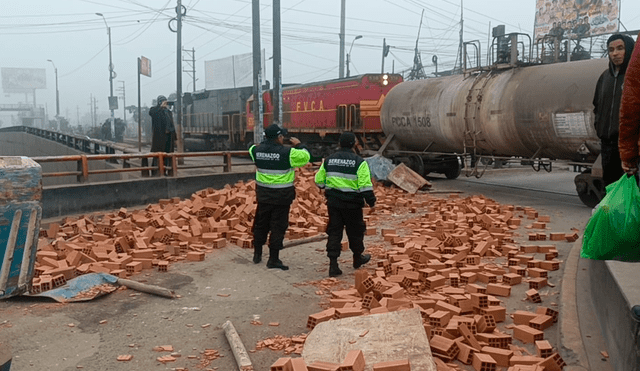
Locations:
317 113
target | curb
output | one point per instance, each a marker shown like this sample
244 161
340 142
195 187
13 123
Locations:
573 350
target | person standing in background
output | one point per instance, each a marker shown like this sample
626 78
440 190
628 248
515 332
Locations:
164 132
346 178
275 173
606 103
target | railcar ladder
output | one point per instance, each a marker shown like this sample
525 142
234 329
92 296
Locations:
472 135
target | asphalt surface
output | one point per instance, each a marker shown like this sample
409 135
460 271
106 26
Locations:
45 335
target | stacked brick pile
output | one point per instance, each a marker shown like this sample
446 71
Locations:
458 258
126 242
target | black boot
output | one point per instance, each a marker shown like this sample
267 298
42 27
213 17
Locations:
635 313
257 254
360 260
274 261
334 269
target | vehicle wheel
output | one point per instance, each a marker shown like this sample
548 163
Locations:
589 189
453 172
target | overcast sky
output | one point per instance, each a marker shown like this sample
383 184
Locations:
75 38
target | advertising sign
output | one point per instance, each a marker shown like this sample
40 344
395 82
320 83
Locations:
575 19
145 66
23 80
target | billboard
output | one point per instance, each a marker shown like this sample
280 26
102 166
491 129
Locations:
235 71
23 80
575 19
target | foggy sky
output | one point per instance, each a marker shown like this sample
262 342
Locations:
71 35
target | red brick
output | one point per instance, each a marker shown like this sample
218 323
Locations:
521 317
401 365
282 364
527 334
323 366
354 361
501 356
483 362
544 348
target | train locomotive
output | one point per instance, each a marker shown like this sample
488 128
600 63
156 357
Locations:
532 112
317 113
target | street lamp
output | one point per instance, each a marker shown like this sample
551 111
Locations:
349 54
57 94
110 71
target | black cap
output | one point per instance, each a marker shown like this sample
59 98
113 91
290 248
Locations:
347 139
160 99
273 131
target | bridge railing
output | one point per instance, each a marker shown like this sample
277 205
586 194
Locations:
131 161
162 164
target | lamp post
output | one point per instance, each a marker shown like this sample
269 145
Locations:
110 71
57 94
349 54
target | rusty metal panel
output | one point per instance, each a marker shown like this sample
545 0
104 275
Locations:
407 179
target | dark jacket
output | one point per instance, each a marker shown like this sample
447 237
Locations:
606 100
161 126
276 165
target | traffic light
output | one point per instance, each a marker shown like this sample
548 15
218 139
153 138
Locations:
386 50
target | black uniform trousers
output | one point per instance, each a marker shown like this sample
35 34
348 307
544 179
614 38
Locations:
351 220
611 163
270 218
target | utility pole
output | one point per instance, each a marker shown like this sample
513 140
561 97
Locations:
178 109
258 129
385 52
192 65
57 93
342 20
95 111
112 75
277 65
124 101
461 32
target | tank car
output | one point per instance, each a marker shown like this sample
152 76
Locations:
538 113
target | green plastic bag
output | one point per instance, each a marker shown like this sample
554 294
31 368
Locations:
613 231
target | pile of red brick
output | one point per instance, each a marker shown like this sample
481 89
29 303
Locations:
457 258
126 242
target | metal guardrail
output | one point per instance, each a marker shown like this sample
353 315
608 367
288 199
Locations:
145 170
162 164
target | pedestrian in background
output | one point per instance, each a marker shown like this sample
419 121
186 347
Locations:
346 178
606 103
163 130
275 173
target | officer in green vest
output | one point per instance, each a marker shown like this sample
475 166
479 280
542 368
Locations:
346 178
275 192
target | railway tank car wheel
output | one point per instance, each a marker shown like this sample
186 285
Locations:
416 164
453 172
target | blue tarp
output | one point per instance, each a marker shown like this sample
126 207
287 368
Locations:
82 284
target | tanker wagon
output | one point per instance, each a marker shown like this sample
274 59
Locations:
534 112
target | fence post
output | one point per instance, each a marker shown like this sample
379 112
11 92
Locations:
83 167
227 162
